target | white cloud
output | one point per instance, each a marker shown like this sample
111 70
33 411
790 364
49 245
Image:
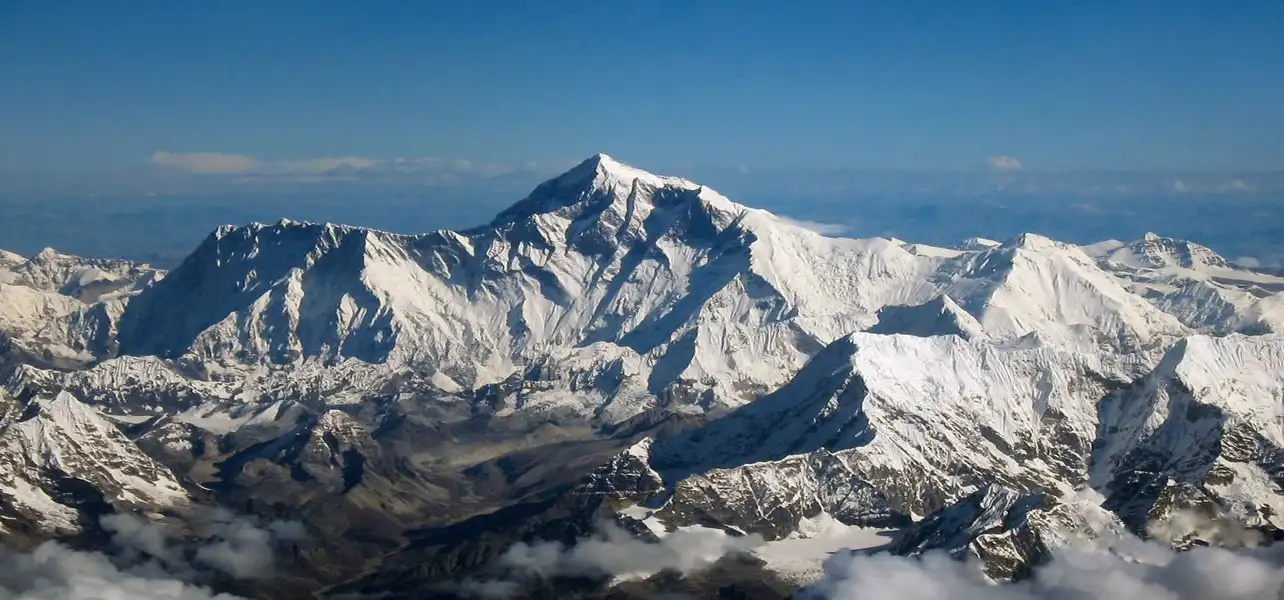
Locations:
618 553
1180 187
1113 565
145 562
242 549
828 229
205 162
1250 262
1003 163
326 168
55 572
1232 186
1198 574
612 552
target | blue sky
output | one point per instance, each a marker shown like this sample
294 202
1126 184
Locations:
530 85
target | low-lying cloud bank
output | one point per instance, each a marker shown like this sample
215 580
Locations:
1110 565
146 561
1107 564
616 553
612 553
1199 574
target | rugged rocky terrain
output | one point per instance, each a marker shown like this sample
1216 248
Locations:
637 354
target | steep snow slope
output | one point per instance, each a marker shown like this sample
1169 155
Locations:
1034 284
8 261
915 420
976 243
939 316
877 428
1211 416
707 292
55 327
868 381
86 279
27 312
706 301
1196 285
64 308
58 453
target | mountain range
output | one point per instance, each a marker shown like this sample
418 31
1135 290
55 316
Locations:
625 358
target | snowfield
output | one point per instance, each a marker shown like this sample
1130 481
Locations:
850 386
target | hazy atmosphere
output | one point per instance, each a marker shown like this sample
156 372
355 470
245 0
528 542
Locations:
135 132
530 300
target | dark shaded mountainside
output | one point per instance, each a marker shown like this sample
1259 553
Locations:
624 364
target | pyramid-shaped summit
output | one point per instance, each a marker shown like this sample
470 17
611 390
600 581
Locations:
670 284
591 180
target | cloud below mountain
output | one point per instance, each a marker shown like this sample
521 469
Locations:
146 561
55 572
611 552
1117 568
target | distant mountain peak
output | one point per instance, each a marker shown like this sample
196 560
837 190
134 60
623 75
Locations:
1155 251
976 244
1032 241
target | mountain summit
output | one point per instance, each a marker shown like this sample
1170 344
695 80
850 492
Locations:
626 346
607 264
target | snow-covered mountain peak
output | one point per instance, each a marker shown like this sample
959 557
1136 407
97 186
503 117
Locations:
63 437
1033 241
1035 284
976 243
601 169
83 278
1155 252
604 188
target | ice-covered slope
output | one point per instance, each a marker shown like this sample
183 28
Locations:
705 300
1209 416
879 428
916 421
60 458
9 260
60 308
1034 284
1195 284
706 292
869 381
86 279
939 316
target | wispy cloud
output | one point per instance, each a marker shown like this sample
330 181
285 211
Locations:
1003 163
204 162
1233 186
317 169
